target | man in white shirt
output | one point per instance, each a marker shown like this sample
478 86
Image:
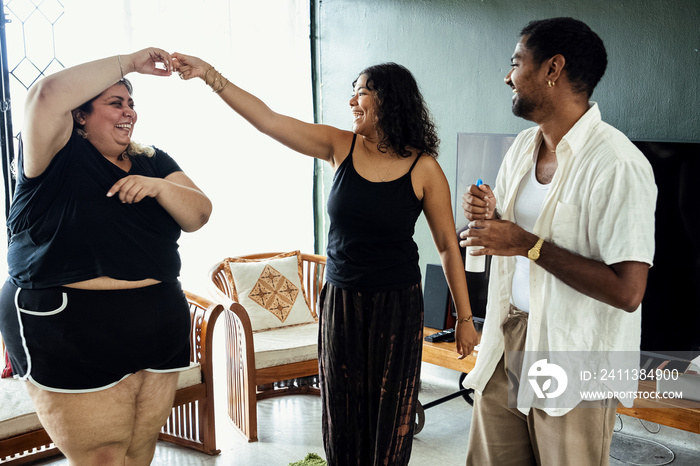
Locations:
570 226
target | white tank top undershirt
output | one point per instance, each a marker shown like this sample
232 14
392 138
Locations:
528 205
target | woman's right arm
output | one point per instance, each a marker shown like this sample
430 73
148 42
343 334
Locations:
320 141
48 120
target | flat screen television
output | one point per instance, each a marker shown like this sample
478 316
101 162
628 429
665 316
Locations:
671 304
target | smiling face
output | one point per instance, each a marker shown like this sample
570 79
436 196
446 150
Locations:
364 107
111 122
527 79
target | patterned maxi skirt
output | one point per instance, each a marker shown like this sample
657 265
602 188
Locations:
370 346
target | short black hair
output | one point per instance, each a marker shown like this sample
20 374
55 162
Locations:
586 58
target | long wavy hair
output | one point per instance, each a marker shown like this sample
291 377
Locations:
403 118
134 148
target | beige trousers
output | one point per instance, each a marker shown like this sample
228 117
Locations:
503 436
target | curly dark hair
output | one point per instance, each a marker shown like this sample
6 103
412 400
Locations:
403 117
584 51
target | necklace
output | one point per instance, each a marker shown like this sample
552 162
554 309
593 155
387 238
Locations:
548 149
383 178
371 158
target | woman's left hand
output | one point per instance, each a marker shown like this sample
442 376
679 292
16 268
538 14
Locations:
466 338
134 188
189 66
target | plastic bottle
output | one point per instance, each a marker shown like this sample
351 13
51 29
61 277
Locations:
475 263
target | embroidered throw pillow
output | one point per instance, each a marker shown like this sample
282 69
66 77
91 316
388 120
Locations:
271 290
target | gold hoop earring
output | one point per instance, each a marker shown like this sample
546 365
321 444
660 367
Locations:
550 83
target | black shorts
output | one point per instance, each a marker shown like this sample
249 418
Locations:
68 340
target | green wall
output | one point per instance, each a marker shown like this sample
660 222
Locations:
459 51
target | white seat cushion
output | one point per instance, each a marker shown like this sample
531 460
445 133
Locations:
286 345
190 376
17 414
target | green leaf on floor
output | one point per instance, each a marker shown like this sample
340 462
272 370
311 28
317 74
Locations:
312 459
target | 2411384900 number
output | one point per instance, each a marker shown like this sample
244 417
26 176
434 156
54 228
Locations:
638 374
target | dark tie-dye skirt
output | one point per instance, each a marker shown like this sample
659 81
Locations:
370 347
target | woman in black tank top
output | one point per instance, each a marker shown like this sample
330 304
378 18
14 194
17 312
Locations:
371 319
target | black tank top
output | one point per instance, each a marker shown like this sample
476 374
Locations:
370 239
64 229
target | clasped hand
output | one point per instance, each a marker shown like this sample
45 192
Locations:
134 188
150 60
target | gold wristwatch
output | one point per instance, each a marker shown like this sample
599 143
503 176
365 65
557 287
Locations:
534 253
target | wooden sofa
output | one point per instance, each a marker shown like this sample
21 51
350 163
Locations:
191 423
251 378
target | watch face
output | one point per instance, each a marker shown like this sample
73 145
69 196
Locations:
534 252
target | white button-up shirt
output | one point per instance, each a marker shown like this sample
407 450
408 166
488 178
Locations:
600 205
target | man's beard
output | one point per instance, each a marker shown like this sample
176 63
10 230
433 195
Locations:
523 107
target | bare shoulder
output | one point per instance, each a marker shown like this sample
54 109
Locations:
427 162
427 176
428 169
342 143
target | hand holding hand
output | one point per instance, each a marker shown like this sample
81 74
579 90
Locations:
189 67
479 203
146 62
466 338
134 188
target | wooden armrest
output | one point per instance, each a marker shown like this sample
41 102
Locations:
223 282
241 379
240 333
204 315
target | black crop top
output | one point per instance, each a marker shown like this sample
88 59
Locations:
370 239
64 229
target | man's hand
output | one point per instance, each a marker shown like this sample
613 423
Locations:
479 203
498 238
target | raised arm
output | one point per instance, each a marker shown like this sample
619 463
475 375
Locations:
437 206
48 120
320 141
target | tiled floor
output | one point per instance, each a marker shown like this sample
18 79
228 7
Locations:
290 427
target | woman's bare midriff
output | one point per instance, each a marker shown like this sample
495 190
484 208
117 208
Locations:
108 283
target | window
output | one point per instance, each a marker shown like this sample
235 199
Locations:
262 191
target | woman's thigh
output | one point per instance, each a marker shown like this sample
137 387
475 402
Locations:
153 406
104 426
